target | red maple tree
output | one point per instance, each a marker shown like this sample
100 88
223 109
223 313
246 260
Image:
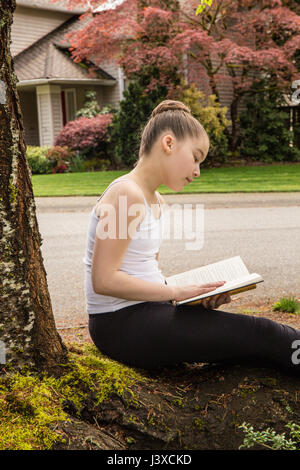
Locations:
230 43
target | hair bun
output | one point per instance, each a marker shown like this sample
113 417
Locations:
170 105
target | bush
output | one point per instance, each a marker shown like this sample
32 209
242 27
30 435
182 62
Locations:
77 163
129 121
91 107
85 133
45 160
37 160
212 116
93 164
265 133
60 158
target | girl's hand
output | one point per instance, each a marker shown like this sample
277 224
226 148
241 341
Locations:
187 292
216 300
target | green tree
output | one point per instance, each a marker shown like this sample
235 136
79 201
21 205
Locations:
265 127
127 124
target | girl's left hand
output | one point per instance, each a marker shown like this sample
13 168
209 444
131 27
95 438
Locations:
216 301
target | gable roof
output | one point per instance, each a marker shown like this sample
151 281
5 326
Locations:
108 5
47 58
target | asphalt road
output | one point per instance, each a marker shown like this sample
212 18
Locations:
262 228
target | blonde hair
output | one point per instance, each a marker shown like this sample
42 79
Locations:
172 116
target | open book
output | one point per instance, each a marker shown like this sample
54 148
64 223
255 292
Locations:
232 270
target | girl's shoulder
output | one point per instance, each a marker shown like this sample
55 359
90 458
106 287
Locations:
119 188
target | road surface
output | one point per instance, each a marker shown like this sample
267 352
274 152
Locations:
263 228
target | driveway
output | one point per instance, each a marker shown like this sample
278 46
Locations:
263 228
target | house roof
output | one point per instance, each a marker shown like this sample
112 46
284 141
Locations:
48 58
109 4
49 5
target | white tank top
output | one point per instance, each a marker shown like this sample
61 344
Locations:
139 260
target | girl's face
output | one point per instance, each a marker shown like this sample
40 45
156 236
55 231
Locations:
183 164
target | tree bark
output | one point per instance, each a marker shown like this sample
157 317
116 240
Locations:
27 327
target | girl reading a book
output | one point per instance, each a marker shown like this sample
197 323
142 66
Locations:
132 315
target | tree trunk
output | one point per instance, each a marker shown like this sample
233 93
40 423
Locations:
235 128
27 328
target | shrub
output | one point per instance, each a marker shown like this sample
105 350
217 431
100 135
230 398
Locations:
37 160
212 116
85 133
96 164
91 106
128 122
60 158
77 163
265 133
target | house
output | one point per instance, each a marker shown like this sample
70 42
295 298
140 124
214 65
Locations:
51 86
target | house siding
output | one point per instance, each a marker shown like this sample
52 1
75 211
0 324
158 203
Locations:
57 121
49 112
112 94
31 24
45 124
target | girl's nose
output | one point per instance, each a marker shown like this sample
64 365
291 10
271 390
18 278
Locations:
197 172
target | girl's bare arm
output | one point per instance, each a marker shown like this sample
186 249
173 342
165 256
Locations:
108 254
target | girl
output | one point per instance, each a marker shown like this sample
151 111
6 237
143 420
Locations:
131 315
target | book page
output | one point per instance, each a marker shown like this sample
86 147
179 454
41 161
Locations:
230 285
227 270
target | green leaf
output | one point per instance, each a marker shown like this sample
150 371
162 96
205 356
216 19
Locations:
202 6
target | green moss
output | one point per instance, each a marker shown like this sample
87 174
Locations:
31 405
12 191
178 402
130 440
94 372
27 408
199 423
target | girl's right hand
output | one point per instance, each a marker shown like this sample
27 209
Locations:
187 292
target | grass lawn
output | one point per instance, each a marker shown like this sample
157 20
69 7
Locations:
269 178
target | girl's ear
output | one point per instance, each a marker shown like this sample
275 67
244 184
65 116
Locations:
167 142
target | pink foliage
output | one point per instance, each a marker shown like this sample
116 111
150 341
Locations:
233 38
84 132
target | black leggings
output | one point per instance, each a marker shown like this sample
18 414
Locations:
158 334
